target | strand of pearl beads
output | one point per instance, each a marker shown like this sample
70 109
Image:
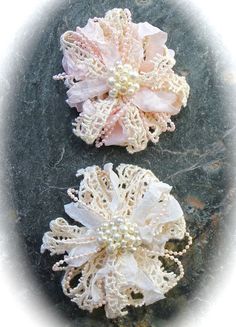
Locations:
108 129
180 266
71 193
180 253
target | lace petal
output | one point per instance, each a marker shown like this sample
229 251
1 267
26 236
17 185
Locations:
91 122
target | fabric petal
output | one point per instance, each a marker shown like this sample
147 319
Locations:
128 267
117 137
78 71
82 250
83 215
150 101
150 292
146 29
88 108
106 47
146 234
92 31
174 211
149 204
136 53
85 90
155 40
116 200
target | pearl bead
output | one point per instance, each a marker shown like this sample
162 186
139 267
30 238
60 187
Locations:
119 67
123 79
132 238
123 243
113 93
127 67
111 81
123 228
133 75
100 240
123 90
117 86
120 220
116 236
114 229
111 248
130 84
112 70
133 249
131 91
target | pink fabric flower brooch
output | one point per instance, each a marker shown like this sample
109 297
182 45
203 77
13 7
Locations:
121 80
113 259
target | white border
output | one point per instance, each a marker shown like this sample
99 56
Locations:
18 307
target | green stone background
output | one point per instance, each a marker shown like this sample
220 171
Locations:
43 154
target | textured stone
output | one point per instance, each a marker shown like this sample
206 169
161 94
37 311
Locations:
44 155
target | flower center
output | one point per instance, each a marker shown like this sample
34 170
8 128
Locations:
119 234
123 80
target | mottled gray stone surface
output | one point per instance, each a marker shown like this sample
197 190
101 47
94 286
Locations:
43 154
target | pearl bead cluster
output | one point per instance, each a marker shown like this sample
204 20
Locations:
123 80
119 235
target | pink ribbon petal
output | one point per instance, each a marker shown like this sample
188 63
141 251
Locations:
150 101
155 40
77 70
105 46
117 137
85 90
146 29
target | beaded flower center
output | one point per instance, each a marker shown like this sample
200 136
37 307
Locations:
123 80
119 235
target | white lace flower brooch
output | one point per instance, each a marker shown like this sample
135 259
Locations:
114 258
121 81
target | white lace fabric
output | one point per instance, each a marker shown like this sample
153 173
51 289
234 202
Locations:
113 259
121 80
